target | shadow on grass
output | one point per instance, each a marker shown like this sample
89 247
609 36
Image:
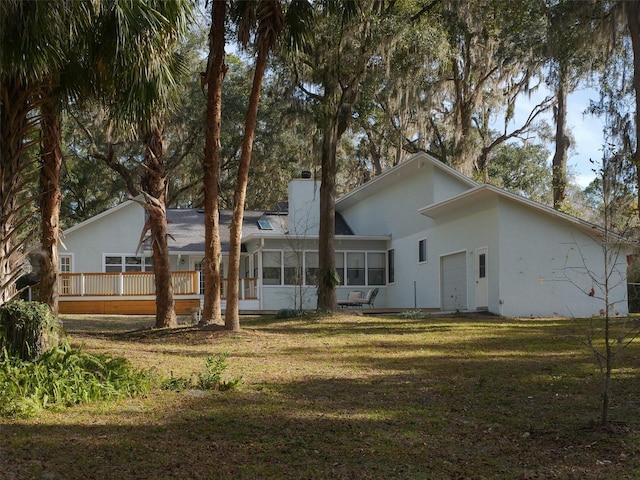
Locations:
440 398
403 426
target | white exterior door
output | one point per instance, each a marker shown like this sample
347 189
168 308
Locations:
482 283
453 278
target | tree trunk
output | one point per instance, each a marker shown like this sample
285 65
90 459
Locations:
559 163
327 299
50 203
232 317
215 73
15 129
632 10
153 185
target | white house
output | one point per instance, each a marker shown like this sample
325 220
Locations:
423 234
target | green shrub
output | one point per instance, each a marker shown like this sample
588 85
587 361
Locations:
291 313
414 314
210 379
27 329
62 377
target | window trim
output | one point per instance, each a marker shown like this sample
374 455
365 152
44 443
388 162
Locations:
304 280
71 262
144 267
345 282
423 250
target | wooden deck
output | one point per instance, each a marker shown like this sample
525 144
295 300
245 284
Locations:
123 307
133 293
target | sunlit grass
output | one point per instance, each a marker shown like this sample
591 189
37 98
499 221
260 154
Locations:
359 397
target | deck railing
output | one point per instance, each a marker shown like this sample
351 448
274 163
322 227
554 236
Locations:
121 284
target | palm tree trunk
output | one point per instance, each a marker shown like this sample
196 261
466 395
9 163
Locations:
153 185
232 317
15 128
50 203
215 73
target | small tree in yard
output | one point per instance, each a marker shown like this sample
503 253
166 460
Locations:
609 334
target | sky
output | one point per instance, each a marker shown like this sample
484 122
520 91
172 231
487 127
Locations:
585 128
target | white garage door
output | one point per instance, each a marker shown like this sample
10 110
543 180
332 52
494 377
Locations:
453 277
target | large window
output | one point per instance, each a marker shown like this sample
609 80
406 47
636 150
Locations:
292 268
355 268
301 268
255 265
127 263
311 262
271 268
363 268
340 266
375 268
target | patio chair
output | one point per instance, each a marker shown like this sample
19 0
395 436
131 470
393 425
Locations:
353 297
369 299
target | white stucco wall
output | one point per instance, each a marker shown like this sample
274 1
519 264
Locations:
547 266
466 231
117 232
535 261
304 207
393 210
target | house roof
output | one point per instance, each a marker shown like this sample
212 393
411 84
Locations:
483 193
187 231
397 174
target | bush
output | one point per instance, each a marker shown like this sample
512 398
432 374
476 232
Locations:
414 314
210 379
27 329
62 377
291 313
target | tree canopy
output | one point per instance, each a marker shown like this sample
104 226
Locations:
350 89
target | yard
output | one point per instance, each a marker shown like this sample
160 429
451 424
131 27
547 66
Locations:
345 397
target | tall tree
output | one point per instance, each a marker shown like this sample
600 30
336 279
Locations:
141 40
491 62
213 78
572 54
632 10
270 23
35 38
328 74
51 152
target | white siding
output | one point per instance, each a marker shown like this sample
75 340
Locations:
542 267
117 232
304 207
467 231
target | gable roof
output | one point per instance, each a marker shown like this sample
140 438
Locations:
483 192
397 174
100 215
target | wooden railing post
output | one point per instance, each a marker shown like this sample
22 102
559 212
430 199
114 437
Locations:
195 282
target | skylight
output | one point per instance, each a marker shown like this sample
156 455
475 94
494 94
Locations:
265 224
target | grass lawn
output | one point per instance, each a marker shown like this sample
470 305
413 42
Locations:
345 397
